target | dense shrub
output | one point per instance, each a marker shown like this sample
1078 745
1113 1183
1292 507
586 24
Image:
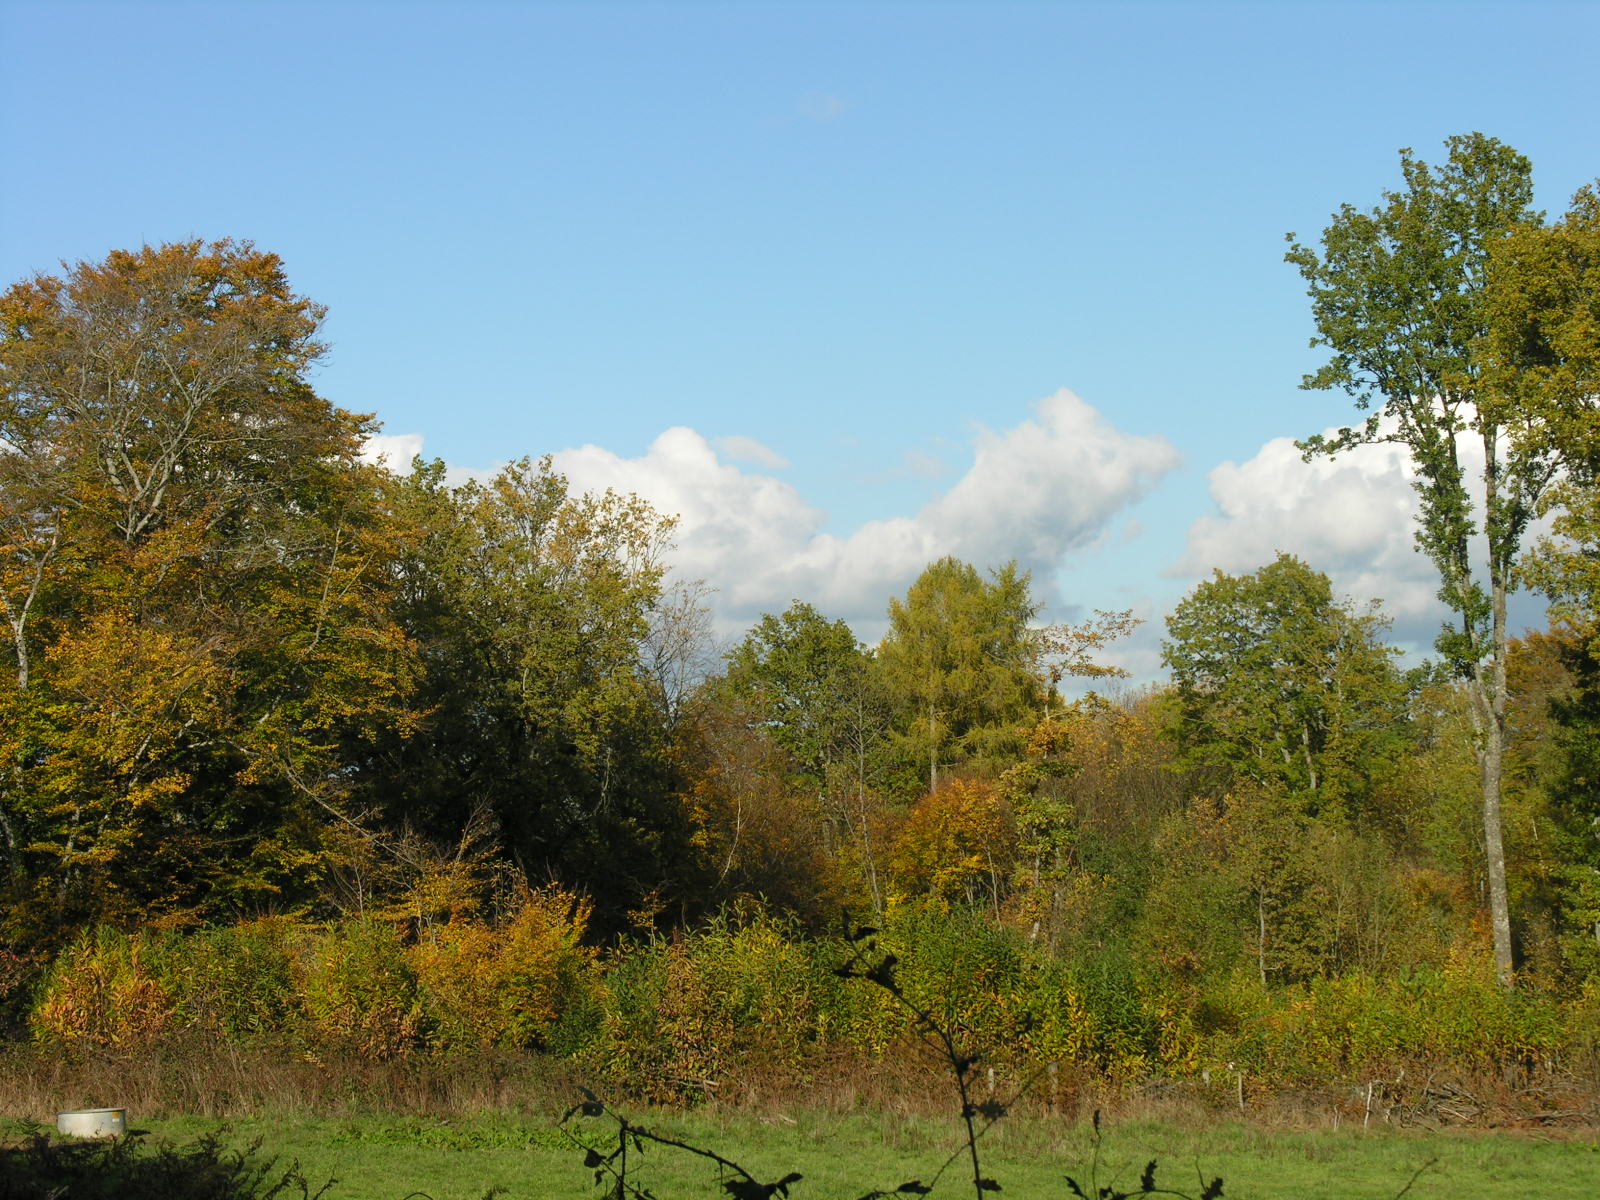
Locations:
1361 1025
235 982
679 1016
749 994
344 988
358 992
106 990
509 985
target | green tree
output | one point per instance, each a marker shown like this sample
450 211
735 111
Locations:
1398 295
1284 686
812 688
532 607
1543 350
960 657
799 670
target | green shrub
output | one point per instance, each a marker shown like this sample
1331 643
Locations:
1361 1025
235 982
964 969
679 1017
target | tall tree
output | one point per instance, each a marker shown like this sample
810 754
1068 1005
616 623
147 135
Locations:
960 655
812 688
1285 686
1543 350
1398 295
532 607
799 670
195 578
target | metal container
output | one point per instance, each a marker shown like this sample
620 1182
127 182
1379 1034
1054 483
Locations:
93 1122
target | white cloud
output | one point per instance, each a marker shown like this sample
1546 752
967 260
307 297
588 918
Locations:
1352 516
1037 492
747 449
1049 486
395 449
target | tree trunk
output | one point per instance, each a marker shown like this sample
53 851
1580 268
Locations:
13 859
1491 704
1261 936
1489 764
1488 693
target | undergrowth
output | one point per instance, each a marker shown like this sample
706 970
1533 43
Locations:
613 1160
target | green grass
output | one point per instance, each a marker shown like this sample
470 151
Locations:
377 1158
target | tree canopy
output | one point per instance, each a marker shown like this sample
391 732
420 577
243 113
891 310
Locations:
1285 686
246 673
960 656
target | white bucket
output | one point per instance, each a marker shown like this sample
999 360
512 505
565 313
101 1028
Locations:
93 1122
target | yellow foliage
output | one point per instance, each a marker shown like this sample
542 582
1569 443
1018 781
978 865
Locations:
956 842
103 992
506 984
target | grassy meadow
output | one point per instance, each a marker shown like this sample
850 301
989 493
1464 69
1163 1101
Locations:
847 1155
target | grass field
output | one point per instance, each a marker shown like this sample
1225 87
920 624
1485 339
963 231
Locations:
377 1158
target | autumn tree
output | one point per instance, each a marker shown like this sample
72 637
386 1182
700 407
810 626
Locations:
958 845
194 580
1542 348
755 833
812 689
533 609
1398 296
1097 779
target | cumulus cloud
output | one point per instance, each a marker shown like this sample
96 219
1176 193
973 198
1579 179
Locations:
1352 516
747 449
1034 493
395 449
1051 485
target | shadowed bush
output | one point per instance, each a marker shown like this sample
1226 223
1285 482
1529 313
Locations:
37 1167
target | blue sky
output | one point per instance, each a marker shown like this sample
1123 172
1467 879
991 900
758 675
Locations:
816 275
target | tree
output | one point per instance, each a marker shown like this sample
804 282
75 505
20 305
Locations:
678 652
194 572
1543 350
960 655
532 607
811 686
799 670
958 844
757 834
1284 686
1398 295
